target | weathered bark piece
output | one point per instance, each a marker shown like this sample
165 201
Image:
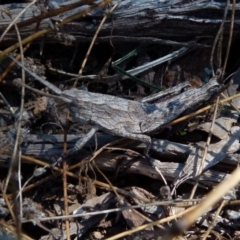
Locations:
222 125
216 153
148 21
170 171
48 146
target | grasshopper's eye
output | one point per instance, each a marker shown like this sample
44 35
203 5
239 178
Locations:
144 126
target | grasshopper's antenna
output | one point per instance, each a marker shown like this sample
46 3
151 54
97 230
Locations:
18 81
41 80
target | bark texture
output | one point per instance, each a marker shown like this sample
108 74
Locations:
134 21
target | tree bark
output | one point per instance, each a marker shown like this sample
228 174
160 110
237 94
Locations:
134 21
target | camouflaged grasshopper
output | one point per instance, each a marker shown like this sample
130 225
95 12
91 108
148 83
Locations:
126 118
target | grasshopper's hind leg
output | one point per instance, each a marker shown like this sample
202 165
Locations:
139 137
79 144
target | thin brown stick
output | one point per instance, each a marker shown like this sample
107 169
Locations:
214 221
181 119
218 36
13 230
108 181
65 194
15 163
12 64
54 12
16 18
107 146
47 30
70 174
212 198
92 43
140 228
8 205
230 37
231 104
216 106
205 149
31 186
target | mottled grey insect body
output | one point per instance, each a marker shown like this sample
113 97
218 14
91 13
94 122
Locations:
126 118
131 119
